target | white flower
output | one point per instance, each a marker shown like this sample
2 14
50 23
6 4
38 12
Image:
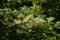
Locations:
38 20
17 21
29 17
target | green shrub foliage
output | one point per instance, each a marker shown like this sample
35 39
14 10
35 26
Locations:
29 19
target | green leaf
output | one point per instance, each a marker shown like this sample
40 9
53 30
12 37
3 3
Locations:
30 30
50 28
50 19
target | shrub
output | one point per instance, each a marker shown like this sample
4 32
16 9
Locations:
29 20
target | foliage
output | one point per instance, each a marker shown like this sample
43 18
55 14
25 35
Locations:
30 20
